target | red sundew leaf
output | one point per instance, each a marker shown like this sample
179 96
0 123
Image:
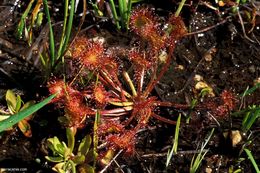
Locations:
109 126
124 141
139 59
89 52
228 99
143 19
100 94
57 86
176 29
145 24
79 46
77 111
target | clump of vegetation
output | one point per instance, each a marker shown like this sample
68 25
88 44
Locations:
15 105
64 157
122 113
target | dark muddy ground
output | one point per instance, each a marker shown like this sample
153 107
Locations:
221 55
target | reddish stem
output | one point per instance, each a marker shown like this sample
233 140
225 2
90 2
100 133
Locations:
153 81
170 104
163 119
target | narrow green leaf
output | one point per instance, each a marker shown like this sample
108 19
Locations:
129 7
52 43
176 136
114 12
21 24
249 109
39 19
250 118
11 101
69 27
125 11
27 104
178 11
175 141
84 145
18 103
251 90
3 117
250 156
95 136
9 122
55 145
245 120
121 12
196 160
43 59
71 139
137 1
66 7
54 159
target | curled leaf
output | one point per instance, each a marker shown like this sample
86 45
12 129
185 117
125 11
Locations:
11 101
84 145
25 127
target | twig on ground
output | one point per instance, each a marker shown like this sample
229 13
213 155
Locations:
208 28
243 27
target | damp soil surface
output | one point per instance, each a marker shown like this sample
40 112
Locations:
219 52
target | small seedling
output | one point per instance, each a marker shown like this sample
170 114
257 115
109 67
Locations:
175 142
197 159
65 158
18 114
15 105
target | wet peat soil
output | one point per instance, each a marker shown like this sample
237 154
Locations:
222 55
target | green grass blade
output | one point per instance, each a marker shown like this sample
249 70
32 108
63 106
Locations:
250 156
69 27
115 16
196 160
251 90
136 1
21 24
70 139
9 122
66 5
175 141
176 137
95 136
178 11
257 108
249 119
121 12
125 11
52 43
129 7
